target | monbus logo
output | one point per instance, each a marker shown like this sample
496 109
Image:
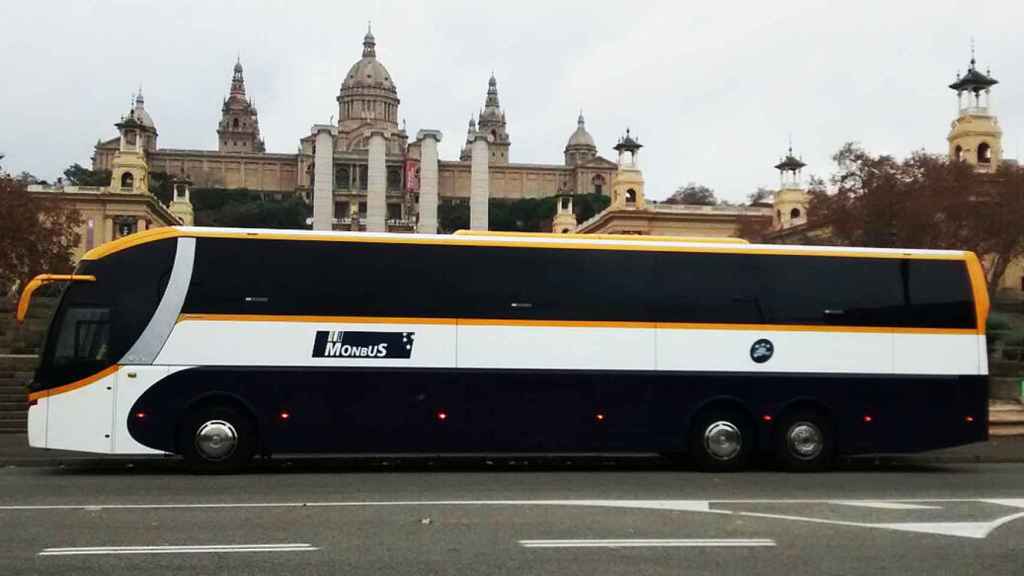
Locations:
345 344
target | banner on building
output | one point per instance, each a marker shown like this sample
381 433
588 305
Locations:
412 175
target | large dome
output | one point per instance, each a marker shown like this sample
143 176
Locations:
580 137
368 72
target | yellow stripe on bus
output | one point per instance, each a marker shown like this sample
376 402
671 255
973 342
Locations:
577 243
511 322
74 385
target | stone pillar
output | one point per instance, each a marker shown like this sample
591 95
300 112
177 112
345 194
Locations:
376 184
428 180
323 177
479 184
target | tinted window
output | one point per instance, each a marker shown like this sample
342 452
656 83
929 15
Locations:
939 294
97 322
829 290
354 279
716 288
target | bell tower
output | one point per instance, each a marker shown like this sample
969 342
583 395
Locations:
975 136
791 200
239 127
628 184
129 171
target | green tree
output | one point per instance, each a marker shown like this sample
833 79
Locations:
78 175
693 193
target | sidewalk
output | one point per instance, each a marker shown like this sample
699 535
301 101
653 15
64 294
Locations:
15 451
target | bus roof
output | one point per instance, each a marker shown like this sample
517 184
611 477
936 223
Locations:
537 240
618 237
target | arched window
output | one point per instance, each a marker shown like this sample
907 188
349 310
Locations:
794 213
598 182
958 153
127 181
565 230
984 153
234 123
630 196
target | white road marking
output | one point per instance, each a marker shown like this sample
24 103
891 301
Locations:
185 549
648 543
887 505
960 529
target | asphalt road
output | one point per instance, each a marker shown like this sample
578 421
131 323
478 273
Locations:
509 516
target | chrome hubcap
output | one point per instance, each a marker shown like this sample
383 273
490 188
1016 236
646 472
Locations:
805 440
723 440
216 440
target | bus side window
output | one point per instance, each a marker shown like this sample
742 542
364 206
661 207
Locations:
707 288
939 294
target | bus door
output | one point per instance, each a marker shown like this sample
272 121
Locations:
80 412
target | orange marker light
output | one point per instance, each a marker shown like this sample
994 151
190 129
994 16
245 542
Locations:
140 415
969 419
599 417
285 415
442 416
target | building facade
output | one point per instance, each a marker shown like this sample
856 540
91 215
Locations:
368 108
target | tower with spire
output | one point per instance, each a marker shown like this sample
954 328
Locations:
791 200
239 128
975 136
492 124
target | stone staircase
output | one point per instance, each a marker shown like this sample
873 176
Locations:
19 350
1006 418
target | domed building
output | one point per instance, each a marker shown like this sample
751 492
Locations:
373 179
580 147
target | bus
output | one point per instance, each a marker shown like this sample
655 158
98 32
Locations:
222 344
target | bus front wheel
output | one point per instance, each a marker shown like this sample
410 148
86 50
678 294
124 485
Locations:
804 441
721 440
217 439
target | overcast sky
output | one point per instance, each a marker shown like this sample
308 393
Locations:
712 89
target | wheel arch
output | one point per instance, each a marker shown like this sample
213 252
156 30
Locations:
221 398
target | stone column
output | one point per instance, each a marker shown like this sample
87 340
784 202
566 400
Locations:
323 177
376 184
428 180
479 184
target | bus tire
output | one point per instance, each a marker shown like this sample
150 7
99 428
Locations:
721 440
804 441
217 439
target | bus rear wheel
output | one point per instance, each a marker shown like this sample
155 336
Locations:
804 442
216 439
721 440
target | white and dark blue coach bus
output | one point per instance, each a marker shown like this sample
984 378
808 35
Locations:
219 344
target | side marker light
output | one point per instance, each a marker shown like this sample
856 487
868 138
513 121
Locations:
442 416
599 417
285 415
767 417
868 419
969 419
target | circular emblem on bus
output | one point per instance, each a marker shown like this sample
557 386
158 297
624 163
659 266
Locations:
762 350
